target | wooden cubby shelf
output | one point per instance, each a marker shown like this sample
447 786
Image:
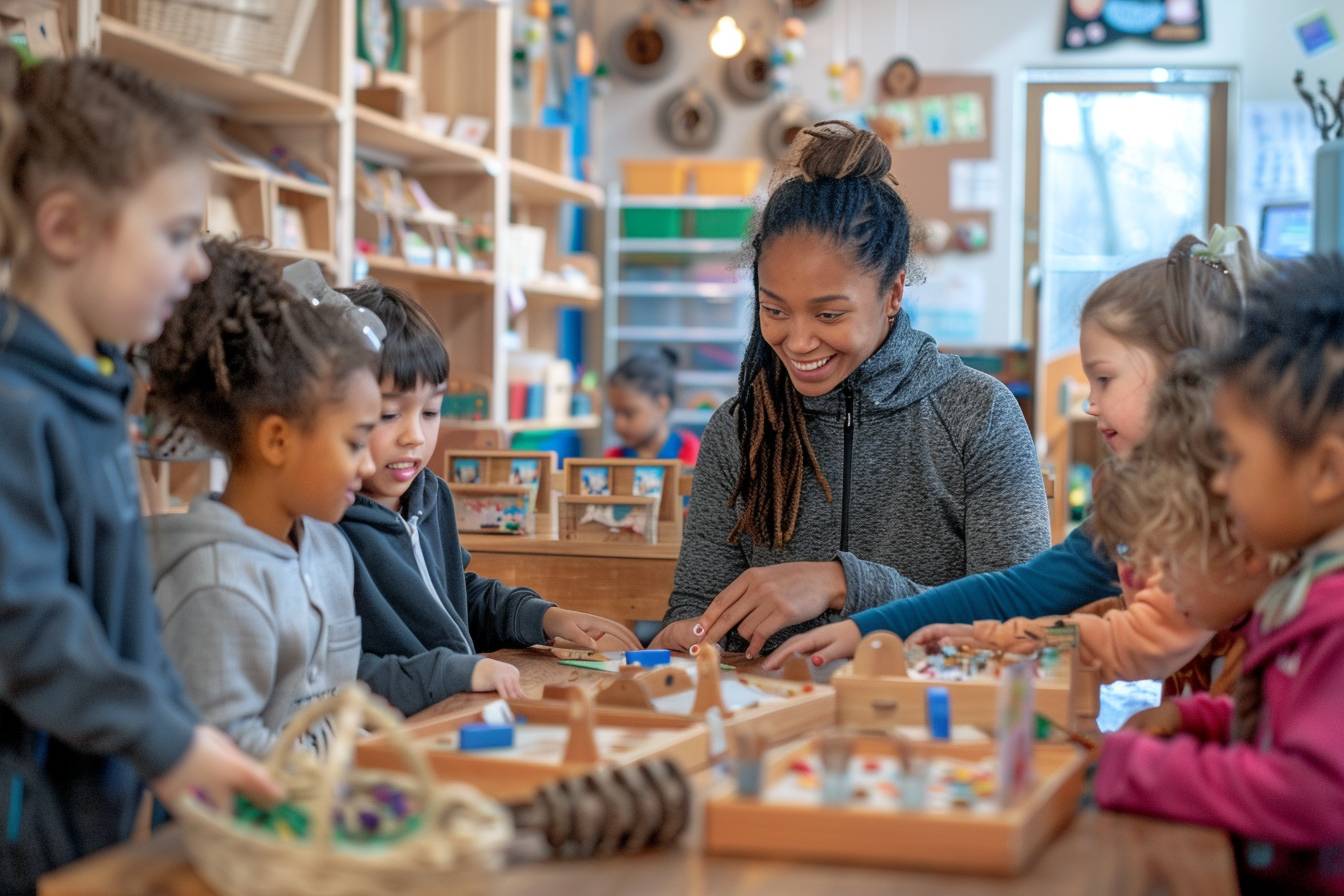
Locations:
385 267
422 151
563 293
536 185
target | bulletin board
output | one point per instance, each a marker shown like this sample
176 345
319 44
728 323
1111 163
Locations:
923 162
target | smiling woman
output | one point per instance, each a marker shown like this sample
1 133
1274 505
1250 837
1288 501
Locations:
857 464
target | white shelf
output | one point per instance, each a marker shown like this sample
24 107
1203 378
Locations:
662 289
680 334
690 416
691 202
707 378
589 421
655 246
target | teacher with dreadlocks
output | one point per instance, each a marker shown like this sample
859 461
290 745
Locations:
857 464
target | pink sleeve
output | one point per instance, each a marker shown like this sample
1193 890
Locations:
1205 717
614 452
1290 793
1149 638
690 449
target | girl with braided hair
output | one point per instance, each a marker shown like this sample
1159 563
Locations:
102 185
1268 765
255 586
857 463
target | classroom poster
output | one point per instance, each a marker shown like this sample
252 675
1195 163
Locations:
1095 23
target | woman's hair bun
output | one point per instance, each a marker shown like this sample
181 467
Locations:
837 150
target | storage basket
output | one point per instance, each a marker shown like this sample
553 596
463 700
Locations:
258 35
460 836
654 177
727 177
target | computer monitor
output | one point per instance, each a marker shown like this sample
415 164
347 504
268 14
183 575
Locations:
1285 229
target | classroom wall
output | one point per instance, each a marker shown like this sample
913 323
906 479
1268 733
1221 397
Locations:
980 36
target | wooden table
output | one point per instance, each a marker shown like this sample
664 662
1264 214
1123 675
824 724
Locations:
1101 854
625 582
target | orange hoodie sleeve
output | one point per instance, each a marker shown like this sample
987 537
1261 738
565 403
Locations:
1148 638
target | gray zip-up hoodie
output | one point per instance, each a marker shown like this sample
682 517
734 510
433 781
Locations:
939 480
255 627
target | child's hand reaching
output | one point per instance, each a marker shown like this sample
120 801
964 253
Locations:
1163 720
940 633
819 646
584 629
492 675
215 767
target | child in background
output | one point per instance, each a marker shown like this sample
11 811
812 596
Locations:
101 239
1131 329
413 589
1161 488
641 392
1269 767
255 585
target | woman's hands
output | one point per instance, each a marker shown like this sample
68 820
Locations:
765 599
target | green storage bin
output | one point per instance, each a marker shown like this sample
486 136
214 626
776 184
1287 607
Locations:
721 223
651 223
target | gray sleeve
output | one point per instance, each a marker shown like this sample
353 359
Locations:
414 683
224 646
708 563
1005 518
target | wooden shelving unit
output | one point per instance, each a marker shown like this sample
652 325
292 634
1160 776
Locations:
460 59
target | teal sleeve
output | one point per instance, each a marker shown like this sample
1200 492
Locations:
1057 581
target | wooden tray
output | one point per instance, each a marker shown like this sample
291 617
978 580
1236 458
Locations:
876 690
805 706
577 738
999 841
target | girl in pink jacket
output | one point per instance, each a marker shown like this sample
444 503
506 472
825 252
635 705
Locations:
1269 766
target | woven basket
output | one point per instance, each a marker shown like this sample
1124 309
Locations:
462 831
258 35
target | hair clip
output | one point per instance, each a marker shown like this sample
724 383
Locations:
1222 242
307 280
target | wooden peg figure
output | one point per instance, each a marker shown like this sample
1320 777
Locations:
795 668
708 689
880 655
581 745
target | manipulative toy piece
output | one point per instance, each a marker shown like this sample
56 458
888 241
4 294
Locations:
750 747
938 709
836 749
484 736
648 658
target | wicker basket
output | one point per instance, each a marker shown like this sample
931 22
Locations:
258 35
461 831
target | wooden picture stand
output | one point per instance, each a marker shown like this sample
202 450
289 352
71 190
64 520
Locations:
876 690
623 475
494 509
594 737
496 468
805 706
608 519
1001 841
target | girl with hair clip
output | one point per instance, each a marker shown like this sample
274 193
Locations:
641 392
256 585
100 234
1131 329
857 463
1268 765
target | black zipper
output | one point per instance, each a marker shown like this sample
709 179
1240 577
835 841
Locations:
849 457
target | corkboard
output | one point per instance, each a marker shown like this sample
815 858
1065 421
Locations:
924 170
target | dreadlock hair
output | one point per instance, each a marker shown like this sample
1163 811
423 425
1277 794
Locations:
86 122
837 186
1289 362
243 345
413 351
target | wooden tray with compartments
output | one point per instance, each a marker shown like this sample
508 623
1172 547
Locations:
880 688
555 738
789 821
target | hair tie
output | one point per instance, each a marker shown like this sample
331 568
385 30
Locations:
306 279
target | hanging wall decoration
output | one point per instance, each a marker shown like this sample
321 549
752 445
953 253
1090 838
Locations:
380 36
1096 23
899 79
806 7
783 125
642 48
787 51
694 7
747 75
689 118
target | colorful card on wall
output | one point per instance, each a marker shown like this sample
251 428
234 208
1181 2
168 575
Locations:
1096 23
933 119
903 122
1015 726
649 482
595 481
466 470
1315 33
967 117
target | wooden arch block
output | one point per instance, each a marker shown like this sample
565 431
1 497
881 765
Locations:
708 690
880 655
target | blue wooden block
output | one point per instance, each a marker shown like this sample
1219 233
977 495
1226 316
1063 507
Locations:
648 657
481 736
938 710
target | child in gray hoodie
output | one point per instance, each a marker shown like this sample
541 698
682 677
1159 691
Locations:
255 586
